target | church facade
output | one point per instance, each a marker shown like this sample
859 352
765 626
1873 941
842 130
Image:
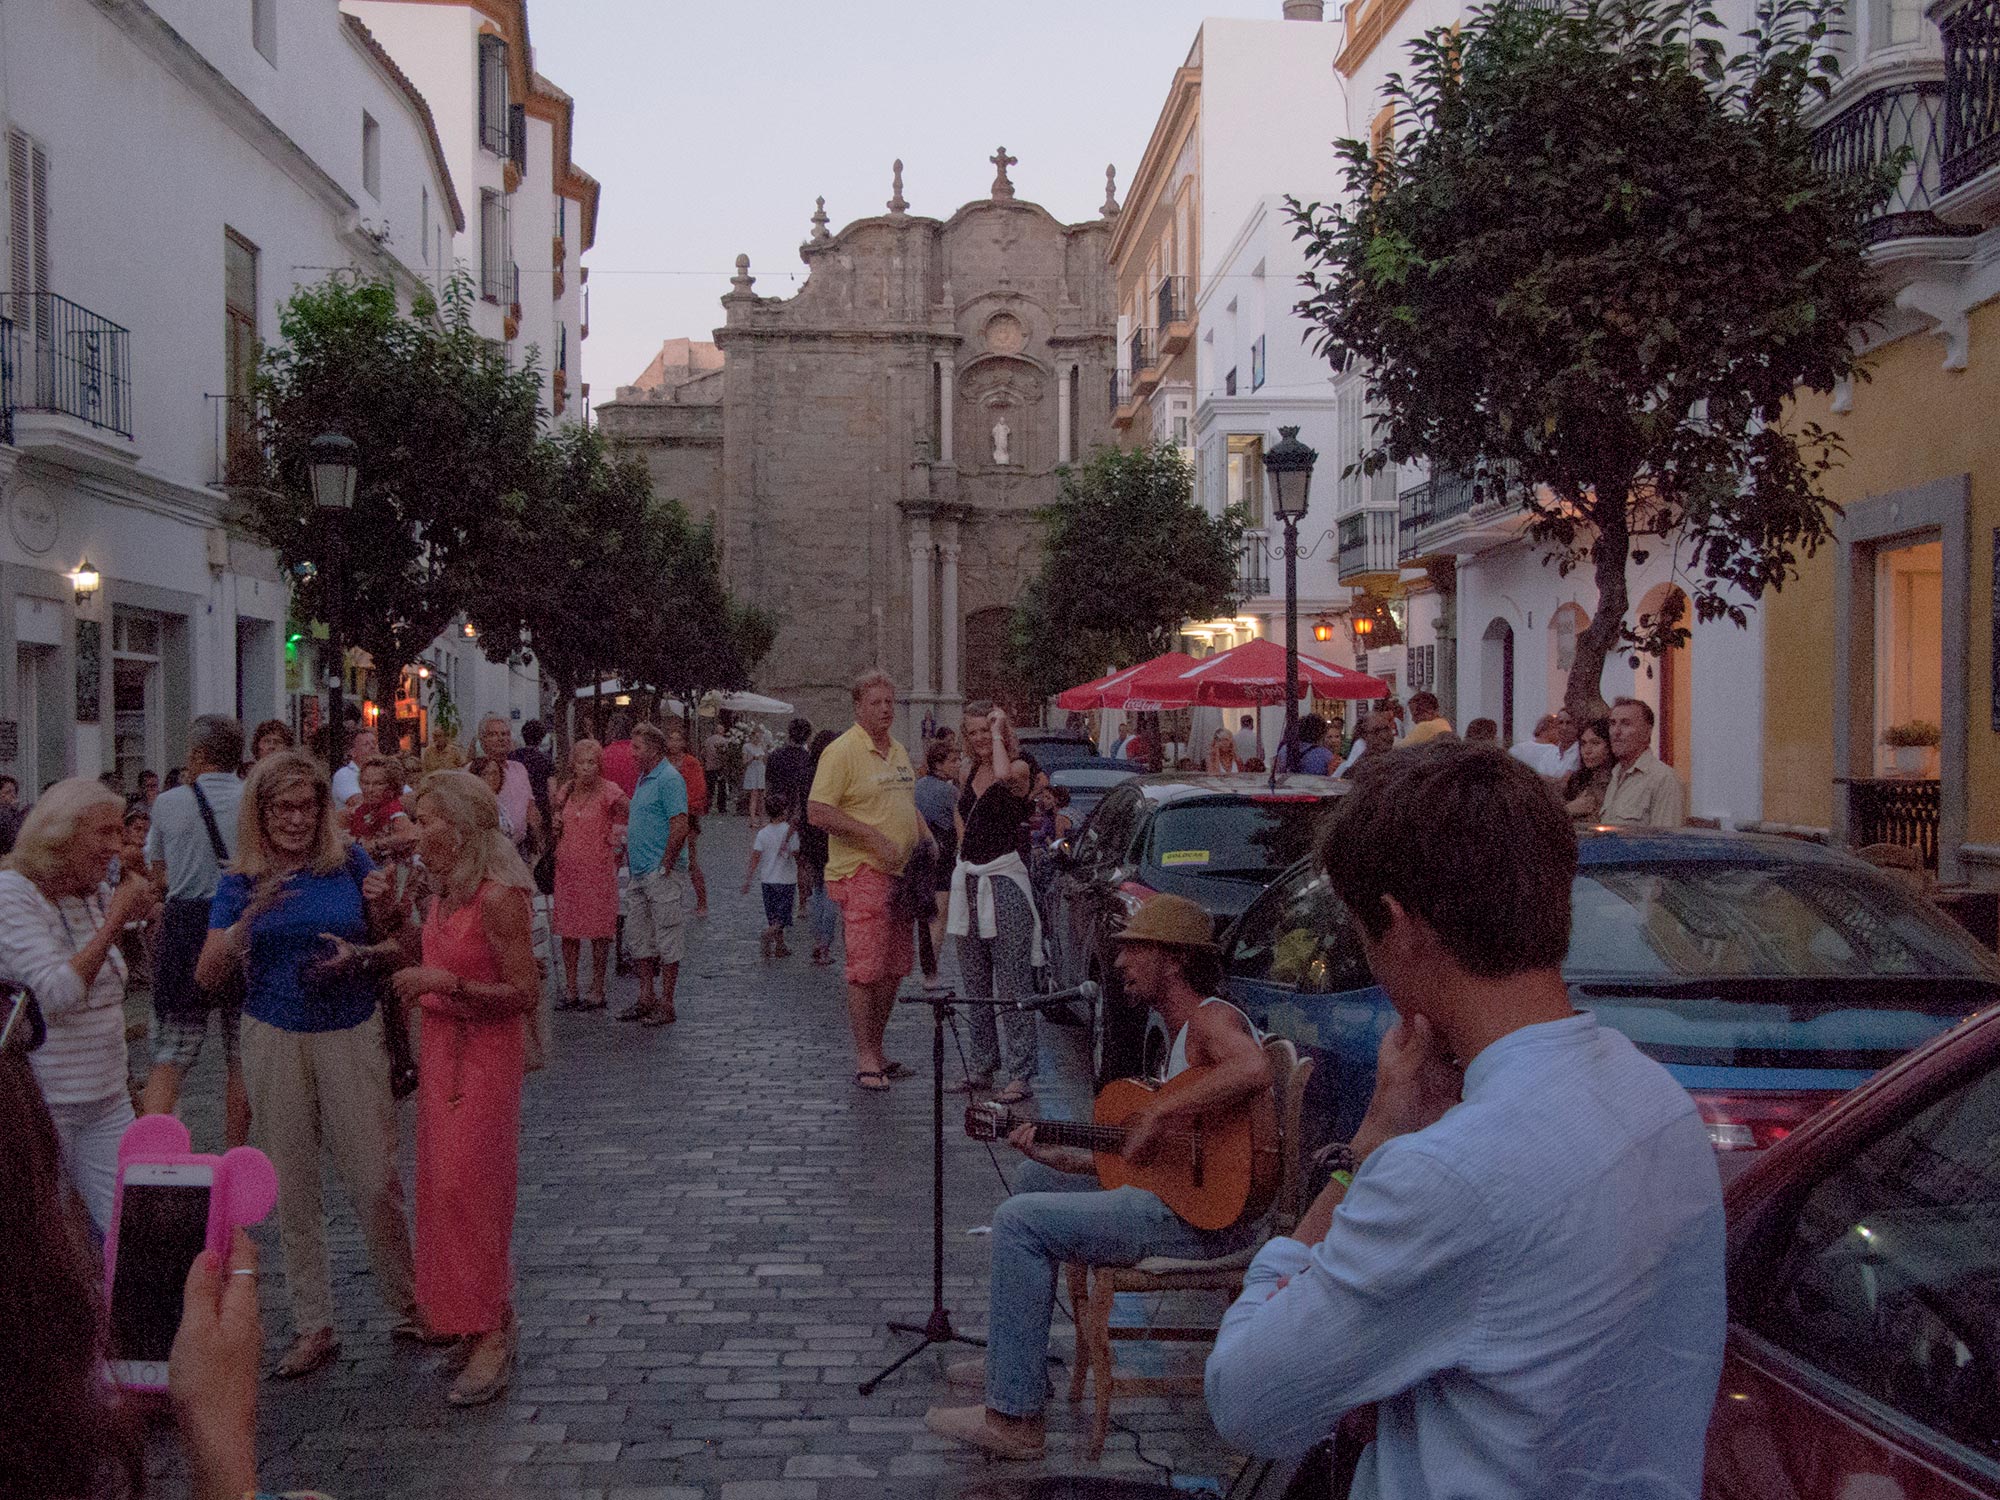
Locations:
873 448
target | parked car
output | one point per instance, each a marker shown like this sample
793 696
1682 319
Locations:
1864 1293
1768 975
1087 782
1217 840
1055 748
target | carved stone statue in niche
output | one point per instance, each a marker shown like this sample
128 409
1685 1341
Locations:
1002 439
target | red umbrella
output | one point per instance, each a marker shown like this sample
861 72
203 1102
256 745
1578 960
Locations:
1250 674
1114 689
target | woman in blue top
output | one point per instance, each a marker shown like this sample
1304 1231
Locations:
314 1057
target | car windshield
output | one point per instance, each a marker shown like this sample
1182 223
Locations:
1704 921
1092 778
1237 837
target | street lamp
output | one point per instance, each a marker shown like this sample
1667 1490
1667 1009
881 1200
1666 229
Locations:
333 467
1290 465
85 581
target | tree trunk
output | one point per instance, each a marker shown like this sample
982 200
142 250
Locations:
1594 643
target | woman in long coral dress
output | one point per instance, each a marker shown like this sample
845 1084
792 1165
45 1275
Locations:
478 984
590 832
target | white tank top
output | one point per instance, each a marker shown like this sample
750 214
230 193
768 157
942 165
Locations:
1177 1059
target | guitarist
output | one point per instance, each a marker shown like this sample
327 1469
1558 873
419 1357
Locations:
1166 959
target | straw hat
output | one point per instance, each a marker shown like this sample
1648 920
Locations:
1171 922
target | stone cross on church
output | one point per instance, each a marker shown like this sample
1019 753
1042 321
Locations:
874 447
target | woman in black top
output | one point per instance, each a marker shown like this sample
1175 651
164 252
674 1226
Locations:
992 906
821 913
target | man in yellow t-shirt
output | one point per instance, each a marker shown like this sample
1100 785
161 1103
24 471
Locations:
1426 723
864 797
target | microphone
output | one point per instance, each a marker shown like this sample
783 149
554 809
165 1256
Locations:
1087 992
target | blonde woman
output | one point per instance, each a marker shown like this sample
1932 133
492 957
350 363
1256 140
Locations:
477 982
590 832
59 931
297 901
756 750
1222 753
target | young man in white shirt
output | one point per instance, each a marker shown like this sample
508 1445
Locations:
1520 1259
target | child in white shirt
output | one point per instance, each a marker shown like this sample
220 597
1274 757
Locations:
774 861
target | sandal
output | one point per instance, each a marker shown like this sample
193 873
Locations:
879 1086
1016 1092
569 1002
308 1352
897 1070
969 1086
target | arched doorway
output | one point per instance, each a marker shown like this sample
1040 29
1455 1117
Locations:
1673 700
1496 678
986 674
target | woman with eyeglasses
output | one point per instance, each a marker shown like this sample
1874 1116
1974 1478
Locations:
59 927
314 1058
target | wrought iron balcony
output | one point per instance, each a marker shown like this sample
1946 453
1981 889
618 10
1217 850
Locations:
1120 397
1253 579
59 357
1142 346
1877 126
10 358
1423 507
1971 92
1171 302
1368 545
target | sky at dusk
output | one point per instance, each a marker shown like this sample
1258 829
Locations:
713 125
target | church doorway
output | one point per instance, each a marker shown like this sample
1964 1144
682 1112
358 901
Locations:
986 674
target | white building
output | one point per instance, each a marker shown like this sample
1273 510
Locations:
531 212
174 170
1483 620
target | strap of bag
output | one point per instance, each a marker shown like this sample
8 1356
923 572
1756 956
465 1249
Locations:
208 819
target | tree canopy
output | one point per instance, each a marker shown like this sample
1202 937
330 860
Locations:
1590 269
1129 558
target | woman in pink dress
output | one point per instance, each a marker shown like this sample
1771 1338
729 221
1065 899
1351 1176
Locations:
590 832
478 984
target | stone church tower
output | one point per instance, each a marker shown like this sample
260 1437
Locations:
885 436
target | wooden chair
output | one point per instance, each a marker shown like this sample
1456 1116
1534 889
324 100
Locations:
1093 1288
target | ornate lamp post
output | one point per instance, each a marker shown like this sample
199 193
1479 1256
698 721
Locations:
1290 465
333 469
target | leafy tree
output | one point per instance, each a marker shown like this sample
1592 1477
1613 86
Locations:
1591 271
447 437
690 635
1129 558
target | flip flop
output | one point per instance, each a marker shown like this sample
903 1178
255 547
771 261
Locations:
879 1086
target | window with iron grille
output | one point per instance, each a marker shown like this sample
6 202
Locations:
517 135
239 349
492 247
493 94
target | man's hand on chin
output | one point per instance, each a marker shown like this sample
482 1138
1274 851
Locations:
1415 1083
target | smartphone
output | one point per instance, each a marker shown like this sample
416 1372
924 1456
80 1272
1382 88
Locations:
161 1226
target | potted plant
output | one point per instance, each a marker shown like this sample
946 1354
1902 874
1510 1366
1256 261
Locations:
1910 745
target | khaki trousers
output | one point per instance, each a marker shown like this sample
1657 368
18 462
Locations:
331 1088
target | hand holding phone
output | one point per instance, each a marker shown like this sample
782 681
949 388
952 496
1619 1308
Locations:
161 1225
212 1372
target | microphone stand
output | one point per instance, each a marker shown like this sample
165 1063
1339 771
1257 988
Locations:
937 1328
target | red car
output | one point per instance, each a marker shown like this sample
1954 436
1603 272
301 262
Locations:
1864 1293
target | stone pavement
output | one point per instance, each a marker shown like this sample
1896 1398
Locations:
714 1226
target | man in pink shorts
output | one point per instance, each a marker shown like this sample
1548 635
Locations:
864 797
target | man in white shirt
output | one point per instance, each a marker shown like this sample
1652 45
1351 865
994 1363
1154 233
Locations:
362 747
1247 748
1520 1257
1552 752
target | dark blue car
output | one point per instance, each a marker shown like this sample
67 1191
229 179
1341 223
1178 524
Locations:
1767 974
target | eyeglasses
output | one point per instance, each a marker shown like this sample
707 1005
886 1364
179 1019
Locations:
36 1030
298 811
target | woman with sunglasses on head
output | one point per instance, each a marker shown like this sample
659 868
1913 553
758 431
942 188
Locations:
314 1057
59 929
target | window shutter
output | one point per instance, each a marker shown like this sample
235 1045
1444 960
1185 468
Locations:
21 213
41 178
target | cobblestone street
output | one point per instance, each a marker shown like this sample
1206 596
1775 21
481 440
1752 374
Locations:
714 1227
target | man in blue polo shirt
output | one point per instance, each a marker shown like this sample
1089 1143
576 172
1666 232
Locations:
656 902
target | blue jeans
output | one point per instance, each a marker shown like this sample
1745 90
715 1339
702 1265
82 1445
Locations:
822 914
1053 1218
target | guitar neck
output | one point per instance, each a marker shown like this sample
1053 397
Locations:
1074 1133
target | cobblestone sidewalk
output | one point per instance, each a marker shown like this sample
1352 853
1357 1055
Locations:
714 1227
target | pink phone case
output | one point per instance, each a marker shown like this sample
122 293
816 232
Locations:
245 1188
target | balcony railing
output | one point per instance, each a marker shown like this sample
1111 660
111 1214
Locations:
9 358
1441 498
1121 389
1971 92
60 357
1368 544
1142 347
1253 573
1171 302
1879 125
496 282
1888 811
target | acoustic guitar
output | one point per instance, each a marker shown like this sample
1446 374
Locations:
1211 1172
